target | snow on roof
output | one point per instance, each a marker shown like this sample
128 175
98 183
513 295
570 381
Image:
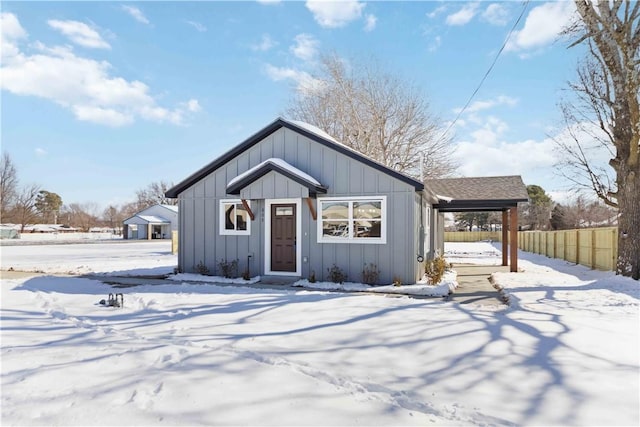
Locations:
153 218
314 129
444 198
171 207
280 163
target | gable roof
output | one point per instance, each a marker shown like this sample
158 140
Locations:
307 130
277 165
478 193
173 208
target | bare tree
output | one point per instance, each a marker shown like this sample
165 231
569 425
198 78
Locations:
606 116
81 215
376 114
8 185
24 209
153 194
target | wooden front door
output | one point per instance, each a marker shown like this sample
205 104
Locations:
283 237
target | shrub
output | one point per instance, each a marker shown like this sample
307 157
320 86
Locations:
397 281
201 268
336 275
434 269
370 274
229 269
312 277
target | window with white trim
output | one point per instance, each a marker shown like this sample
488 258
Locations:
234 218
352 219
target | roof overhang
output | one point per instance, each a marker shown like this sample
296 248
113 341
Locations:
279 166
477 194
476 205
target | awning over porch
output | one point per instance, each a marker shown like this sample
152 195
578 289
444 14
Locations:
274 178
482 194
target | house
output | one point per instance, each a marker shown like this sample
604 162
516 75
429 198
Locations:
290 200
154 222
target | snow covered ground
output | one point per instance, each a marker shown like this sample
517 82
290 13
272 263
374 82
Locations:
565 352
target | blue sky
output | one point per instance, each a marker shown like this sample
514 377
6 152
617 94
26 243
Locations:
99 99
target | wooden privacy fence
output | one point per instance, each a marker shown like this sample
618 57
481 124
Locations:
592 247
472 236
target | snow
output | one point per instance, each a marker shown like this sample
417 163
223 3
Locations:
314 129
73 237
444 198
153 219
278 162
564 352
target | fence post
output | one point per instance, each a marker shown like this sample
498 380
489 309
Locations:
593 249
614 248
577 246
174 242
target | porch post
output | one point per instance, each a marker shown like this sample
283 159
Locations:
505 238
513 226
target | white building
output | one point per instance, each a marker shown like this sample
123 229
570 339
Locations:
155 222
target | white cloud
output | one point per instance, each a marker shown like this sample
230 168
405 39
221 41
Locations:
488 154
40 152
11 32
198 26
192 105
489 103
435 44
305 47
101 115
370 23
496 14
266 43
437 11
333 14
304 81
79 33
464 15
136 14
82 85
542 26
269 2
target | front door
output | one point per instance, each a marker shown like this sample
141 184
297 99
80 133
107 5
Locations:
283 237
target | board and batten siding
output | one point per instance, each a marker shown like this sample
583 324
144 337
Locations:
200 240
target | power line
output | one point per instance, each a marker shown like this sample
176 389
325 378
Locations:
526 3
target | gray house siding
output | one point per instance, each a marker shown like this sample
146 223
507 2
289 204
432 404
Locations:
200 239
274 186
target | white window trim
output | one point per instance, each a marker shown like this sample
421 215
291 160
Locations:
267 237
354 240
221 219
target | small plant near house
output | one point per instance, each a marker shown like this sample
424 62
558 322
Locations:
201 268
229 269
370 274
336 275
246 275
397 281
434 269
312 277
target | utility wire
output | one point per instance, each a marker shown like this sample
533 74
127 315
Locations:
526 3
